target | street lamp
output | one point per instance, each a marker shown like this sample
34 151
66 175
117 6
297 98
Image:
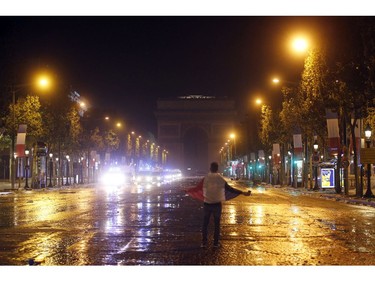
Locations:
277 81
19 170
27 168
67 170
300 44
368 193
316 160
270 169
80 161
50 169
58 172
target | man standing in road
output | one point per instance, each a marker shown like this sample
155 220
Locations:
214 192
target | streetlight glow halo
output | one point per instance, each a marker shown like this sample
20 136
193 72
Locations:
300 44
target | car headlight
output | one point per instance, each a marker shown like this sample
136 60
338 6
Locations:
113 179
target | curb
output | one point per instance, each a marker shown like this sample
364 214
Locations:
318 194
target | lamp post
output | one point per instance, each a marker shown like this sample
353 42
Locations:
50 169
67 170
368 193
81 171
270 169
19 171
27 168
316 161
58 172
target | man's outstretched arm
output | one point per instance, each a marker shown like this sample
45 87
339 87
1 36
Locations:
246 193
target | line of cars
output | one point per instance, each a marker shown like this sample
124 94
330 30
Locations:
117 176
157 177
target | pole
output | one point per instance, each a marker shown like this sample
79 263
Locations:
235 148
27 172
67 172
316 161
19 172
50 172
13 163
368 193
316 186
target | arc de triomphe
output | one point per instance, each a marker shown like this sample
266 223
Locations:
193 129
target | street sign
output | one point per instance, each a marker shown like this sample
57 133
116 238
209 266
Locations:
368 155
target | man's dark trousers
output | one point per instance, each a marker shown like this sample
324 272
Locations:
215 210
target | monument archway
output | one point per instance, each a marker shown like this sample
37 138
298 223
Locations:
193 129
195 150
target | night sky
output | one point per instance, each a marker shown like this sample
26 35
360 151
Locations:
125 63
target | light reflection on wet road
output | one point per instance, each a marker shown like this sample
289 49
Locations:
155 225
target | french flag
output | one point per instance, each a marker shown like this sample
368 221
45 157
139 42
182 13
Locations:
196 192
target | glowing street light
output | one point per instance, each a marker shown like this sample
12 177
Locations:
300 44
44 82
277 80
258 101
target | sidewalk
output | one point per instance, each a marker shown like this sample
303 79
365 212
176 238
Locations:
329 194
6 187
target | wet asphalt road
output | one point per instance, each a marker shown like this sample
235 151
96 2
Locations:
160 225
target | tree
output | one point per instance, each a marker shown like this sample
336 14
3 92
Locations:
350 94
308 104
58 125
269 132
75 129
26 111
111 141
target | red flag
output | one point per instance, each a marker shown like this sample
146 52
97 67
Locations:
197 191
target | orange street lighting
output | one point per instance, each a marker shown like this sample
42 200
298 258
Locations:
258 101
277 81
300 44
43 82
